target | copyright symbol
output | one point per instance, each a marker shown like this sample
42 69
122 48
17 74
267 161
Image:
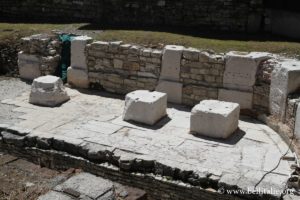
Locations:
221 190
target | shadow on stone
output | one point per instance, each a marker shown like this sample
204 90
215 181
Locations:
232 140
161 123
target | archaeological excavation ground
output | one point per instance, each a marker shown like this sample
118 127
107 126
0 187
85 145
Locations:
98 113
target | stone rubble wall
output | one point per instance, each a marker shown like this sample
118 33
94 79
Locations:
201 74
46 50
122 68
226 15
262 86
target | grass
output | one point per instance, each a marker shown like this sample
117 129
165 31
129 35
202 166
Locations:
218 44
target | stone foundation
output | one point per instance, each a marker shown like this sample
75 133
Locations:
187 75
39 56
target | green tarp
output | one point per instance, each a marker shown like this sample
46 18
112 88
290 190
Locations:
65 56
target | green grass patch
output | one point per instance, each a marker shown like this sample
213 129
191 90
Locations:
153 38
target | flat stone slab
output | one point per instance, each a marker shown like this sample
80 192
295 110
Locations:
85 185
241 69
244 99
217 119
55 195
145 107
172 89
29 66
78 78
78 55
48 91
171 61
247 155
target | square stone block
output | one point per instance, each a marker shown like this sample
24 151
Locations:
48 91
29 66
216 119
244 99
241 68
172 89
78 55
78 78
145 107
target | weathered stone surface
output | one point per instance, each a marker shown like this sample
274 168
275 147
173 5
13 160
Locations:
171 62
145 107
172 89
241 69
55 195
78 54
85 184
29 66
215 119
244 99
165 148
297 123
285 80
48 91
78 78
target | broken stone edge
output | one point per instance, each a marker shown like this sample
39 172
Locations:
56 153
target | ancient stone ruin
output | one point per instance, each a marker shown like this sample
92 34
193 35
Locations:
193 123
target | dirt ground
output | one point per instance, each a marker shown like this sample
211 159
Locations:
20 179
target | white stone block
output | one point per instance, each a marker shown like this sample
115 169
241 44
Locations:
29 66
78 56
285 79
145 107
78 78
172 89
244 99
48 91
216 119
171 61
241 68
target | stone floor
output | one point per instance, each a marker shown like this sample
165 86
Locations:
95 118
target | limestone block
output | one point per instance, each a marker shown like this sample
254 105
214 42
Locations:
48 91
171 60
297 123
244 99
145 107
216 119
241 68
78 57
78 78
172 89
29 66
285 79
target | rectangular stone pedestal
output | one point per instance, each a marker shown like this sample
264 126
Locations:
29 66
216 119
145 107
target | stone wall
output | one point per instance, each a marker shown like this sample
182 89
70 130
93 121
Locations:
122 68
262 86
233 15
39 55
201 74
